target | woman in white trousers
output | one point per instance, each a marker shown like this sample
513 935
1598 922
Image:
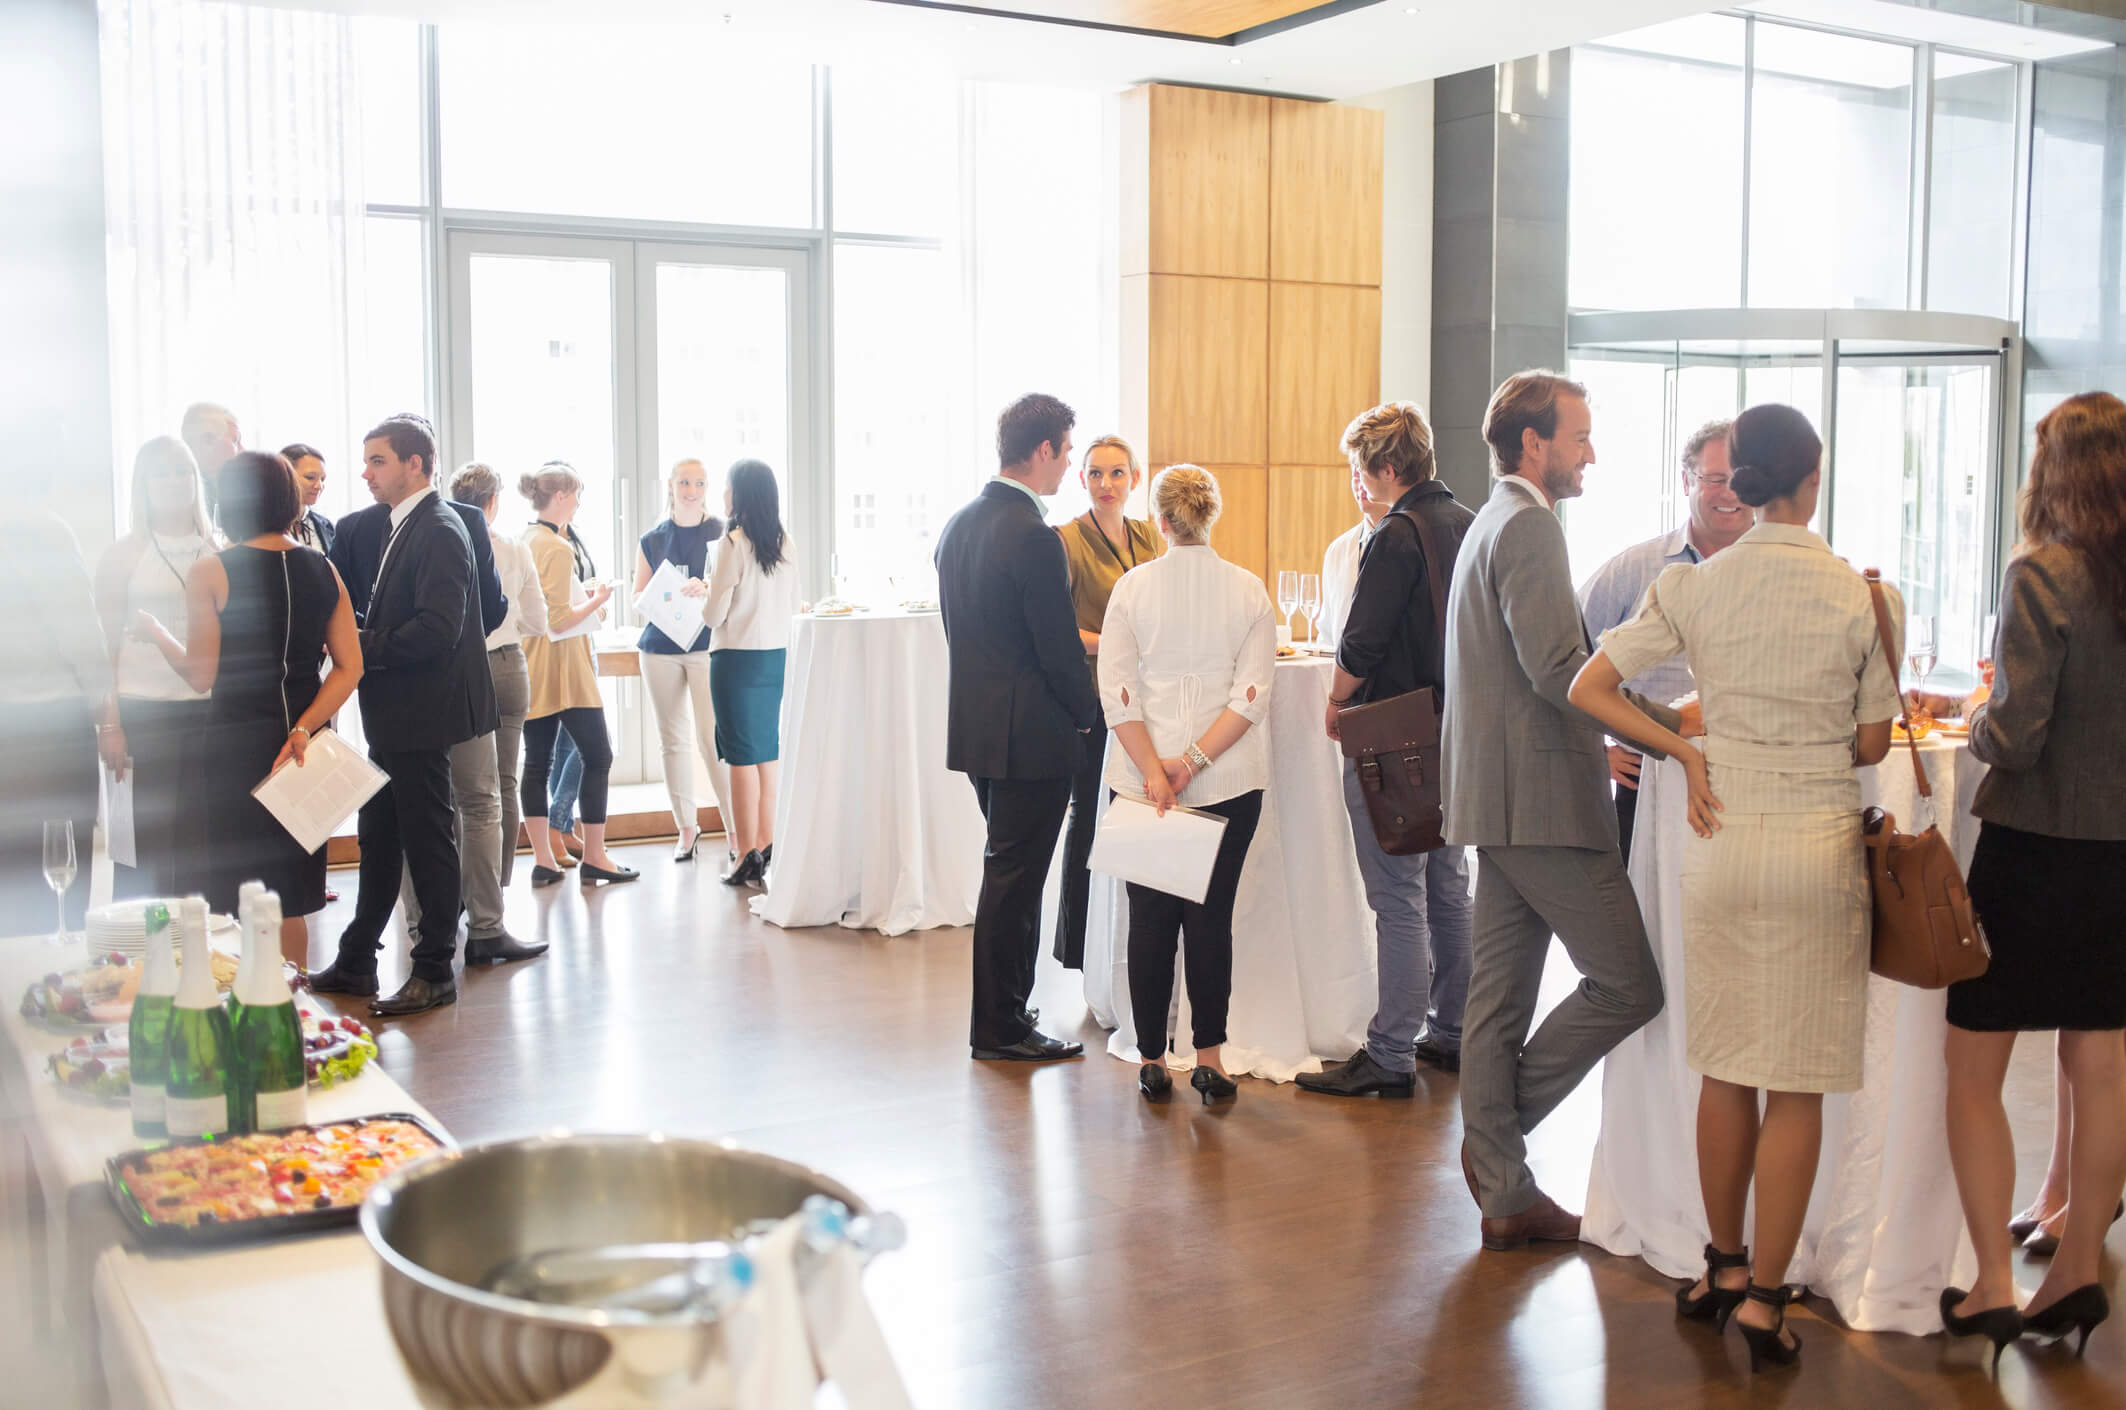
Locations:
677 676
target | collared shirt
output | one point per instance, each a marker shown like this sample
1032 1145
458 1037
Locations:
1025 489
520 583
1612 593
399 513
1339 576
1392 640
1535 490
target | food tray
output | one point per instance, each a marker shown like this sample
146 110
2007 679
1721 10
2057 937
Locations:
155 1234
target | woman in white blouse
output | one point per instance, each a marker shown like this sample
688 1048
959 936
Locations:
479 485
1781 637
752 596
1187 651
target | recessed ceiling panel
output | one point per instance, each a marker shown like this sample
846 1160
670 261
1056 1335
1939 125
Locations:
1194 19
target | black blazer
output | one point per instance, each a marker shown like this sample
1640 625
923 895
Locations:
1020 693
322 527
425 681
358 543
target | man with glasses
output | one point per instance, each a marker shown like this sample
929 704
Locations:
1612 594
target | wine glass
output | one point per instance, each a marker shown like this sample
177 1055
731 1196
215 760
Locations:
1989 628
1921 648
59 867
1288 595
1310 602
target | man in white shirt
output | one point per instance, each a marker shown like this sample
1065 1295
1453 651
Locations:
1611 596
1339 564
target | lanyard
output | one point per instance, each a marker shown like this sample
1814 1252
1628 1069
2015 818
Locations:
585 568
156 541
1112 551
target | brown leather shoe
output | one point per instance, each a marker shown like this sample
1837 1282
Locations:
1542 1220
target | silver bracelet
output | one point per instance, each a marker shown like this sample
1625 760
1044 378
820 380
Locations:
1198 761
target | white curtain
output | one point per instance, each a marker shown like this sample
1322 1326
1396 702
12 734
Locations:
233 214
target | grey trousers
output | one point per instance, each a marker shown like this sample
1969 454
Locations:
1421 939
475 788
512 703
1510 1080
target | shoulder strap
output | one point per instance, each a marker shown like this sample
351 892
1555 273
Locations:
1436 571
1889 652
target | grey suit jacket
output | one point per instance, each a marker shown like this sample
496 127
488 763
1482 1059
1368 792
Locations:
1521 765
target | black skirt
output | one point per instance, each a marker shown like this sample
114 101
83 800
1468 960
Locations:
2054 912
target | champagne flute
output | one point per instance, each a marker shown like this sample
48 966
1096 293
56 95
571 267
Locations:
1989 629
1921 648
1288 595
1310 602
59 867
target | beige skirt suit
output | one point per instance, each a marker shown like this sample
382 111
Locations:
1781 638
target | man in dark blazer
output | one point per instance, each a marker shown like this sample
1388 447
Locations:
1019 704
427 689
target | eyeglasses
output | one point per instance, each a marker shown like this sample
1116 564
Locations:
1715 483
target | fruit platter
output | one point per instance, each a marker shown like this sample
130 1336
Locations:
253 1186
101 992
95 1064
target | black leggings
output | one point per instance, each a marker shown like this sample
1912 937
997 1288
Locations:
586 730
1157 920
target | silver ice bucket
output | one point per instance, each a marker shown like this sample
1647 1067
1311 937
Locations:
444 1226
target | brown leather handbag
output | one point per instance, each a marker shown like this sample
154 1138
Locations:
1396 743
1926 933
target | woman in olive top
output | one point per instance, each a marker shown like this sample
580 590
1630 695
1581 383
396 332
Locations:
1100 545
564 678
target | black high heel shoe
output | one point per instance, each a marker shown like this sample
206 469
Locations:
1999 1325
1769 1344
1716 1304
1154 1081
686 854
2039 1244
1215 1085
2079 1311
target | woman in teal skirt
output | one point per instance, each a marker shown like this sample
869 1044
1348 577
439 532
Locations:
752 596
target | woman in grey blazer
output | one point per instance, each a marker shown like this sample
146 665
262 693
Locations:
2045 877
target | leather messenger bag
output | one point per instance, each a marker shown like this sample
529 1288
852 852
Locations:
1396 742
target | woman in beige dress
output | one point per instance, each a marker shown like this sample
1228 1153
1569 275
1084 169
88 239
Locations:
1781 637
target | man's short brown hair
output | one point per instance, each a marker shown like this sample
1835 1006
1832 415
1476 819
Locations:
1030 422
1526 401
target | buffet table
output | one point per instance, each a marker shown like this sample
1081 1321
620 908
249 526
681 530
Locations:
1303 966
871 830
1884 1232
137 1298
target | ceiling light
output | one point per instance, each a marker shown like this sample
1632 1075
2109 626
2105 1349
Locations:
1234 62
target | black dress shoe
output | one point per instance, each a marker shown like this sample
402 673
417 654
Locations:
333 979
1034 1047
1360 1077
545 876
502 949
1428 1051
591 876
750 869
416 995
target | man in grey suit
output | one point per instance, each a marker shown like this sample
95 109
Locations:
1525 777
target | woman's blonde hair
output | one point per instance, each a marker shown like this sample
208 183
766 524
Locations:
553 478
168 452
672 474
475 483
1392 437
1117 443
1187 498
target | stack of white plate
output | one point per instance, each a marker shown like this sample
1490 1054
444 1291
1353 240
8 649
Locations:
121 928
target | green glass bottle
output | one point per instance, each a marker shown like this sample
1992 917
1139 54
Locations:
148 1030
274 1079
246 901
196 1094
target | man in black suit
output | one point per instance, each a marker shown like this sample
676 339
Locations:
1020 702
426 688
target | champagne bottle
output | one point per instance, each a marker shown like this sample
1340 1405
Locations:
246 925
148 1030
275 1079
196 1095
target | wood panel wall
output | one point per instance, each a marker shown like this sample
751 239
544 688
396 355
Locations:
1251 254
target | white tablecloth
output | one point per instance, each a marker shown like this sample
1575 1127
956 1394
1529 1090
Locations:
1303 967
871 830
1884 1232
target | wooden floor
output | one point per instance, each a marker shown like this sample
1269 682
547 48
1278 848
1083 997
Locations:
1072 1246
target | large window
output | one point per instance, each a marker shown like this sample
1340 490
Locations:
1971 198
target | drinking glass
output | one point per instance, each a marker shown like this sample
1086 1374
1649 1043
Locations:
1288 595
1310 602
1989 628
1921 650
59 867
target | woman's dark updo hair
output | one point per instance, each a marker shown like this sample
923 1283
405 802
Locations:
1772 448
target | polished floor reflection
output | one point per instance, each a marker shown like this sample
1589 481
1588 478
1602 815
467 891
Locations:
1071 1245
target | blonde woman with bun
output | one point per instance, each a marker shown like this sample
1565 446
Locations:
1099 546
564 678
1187 653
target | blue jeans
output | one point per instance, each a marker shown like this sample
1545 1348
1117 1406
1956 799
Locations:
1421 917
567 784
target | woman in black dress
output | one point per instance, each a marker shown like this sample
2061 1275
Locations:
263 613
